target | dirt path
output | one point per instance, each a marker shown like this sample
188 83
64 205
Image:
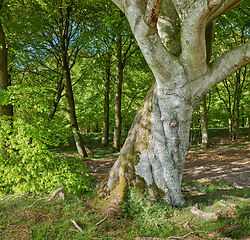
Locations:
223 162
227 164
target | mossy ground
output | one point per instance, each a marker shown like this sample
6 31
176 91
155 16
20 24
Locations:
139 218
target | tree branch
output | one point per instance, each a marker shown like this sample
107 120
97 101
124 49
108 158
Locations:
225 65
219 7
229 63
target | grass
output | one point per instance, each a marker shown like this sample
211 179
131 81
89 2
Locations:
52 220
140 218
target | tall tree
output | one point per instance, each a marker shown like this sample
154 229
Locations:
154 153
123 52
54 44
105 136
6 111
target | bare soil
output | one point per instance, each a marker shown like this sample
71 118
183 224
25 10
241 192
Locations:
225 162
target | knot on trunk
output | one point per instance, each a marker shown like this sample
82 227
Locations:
173 123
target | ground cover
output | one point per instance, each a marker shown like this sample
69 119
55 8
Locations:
216 182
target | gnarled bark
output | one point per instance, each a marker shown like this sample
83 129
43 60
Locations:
154 153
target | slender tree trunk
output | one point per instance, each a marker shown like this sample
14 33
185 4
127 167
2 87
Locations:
235 129
118 95
68 85
71 104
204 128
105 135
56 101
5 110
209 33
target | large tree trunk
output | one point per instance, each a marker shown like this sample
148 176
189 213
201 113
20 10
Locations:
154 153
5 110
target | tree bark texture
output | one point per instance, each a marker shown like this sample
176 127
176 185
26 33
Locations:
105 136
118 95
154 153
5 110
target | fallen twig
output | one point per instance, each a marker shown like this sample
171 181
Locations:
37 201
14 196
76 225
52 197
102 220
171 237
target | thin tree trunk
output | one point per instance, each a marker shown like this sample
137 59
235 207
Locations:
5 110
71 104
235 129
56 101
118 95
204 128
68 86
105 136
203 102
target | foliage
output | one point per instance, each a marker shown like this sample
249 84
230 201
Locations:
28 165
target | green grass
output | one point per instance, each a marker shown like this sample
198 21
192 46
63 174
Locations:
140 218
52 220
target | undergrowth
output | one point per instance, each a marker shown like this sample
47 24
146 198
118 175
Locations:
140 218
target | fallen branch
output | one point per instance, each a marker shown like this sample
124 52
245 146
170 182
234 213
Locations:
14 196
230 212
237 198
37 201
52 197
223 230
171 237
102 220
55 193
214 215
76 225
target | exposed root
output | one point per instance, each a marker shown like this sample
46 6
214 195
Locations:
214 215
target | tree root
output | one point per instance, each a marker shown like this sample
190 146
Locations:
214 215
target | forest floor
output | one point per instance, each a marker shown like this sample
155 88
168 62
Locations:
215 187
224 161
